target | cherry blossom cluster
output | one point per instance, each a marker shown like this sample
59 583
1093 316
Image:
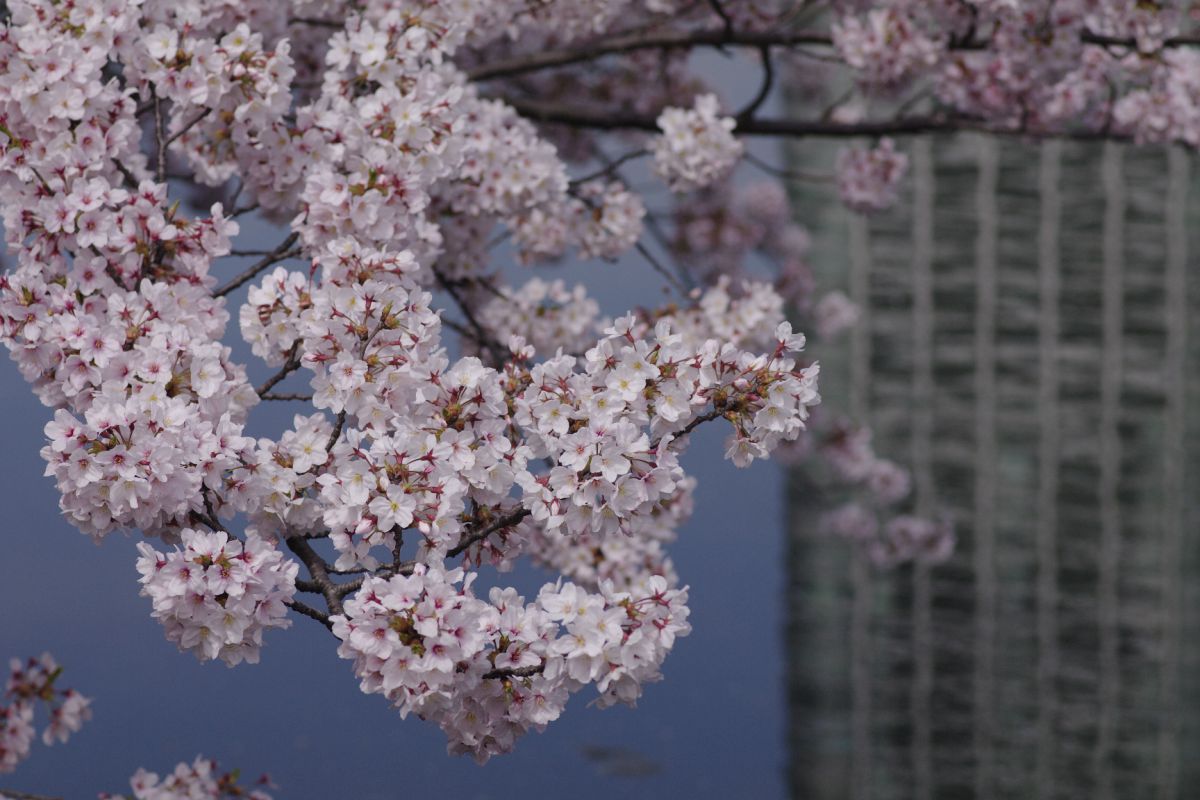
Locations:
411 148
834 313
885 46
697 145
1166 106
869 177
200 780
487 671
1043 65
886 537
228 94
602 220
217 595
273 483
721 233
31 684
545 314
897 540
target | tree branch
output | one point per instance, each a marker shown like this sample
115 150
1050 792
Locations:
336 434
764 91
318 570
319 23
159 141
311 612
521 672
281 253
292 364
722 37
488 342
604 119
678 40
507 521
720 11
186 127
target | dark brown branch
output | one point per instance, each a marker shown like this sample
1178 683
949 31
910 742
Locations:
506 521
764 91
237 212
1121 41
254 271
726 20
286 396
610 168
522 672
318 23
935 123
318 570
13 794
336 434
674 40
658 267
721 37
481 336
131 182
281 253
186 127
159 141
309 611
787 174
292 364
697 422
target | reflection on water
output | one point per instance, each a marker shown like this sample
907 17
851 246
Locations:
1031 349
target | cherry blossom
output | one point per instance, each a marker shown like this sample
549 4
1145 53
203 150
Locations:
216 596
455 420
868 178
200 780
697 145
31 685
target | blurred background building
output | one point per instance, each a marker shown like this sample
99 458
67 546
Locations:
1030 348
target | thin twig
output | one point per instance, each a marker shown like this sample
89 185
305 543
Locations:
237 212
764 91
319 23
787 174
304 398
609 168
720 11
336 434
281 253
309 611
616 45
506 521
708 416
130 181
659 268
160 142
186 127
520 672
499 353
291 365
610 119
723 37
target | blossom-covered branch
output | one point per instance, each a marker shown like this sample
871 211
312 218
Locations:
411 150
